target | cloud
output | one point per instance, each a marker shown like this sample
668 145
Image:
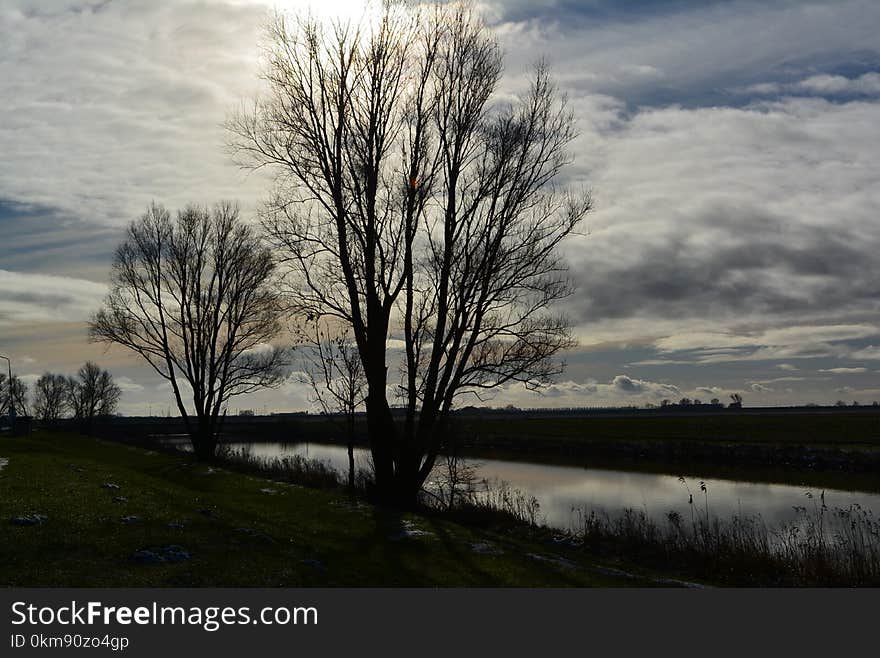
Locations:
661 362
785 336
794 342
732 149
697 220
867 84
29 298
777 380
715 211
46 240
628 386
691 49
871 352
619 390
845 371
762 89
128 385
102 115
29 380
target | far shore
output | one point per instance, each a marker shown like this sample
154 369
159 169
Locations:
829 447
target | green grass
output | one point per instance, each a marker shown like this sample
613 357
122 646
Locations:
84 542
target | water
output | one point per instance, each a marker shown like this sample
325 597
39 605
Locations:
560 489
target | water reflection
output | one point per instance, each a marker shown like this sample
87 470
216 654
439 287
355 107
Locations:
559 489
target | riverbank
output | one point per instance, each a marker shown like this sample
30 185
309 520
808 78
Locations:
820 447
784 537
79 511
846 441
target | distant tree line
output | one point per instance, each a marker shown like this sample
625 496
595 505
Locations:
89 394
736 402
13 395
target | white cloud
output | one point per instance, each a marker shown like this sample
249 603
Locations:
697 45
620 390
625 385
34 298
778 380
801 342
128 385
867 84
872 353
110 105
845 371
29 380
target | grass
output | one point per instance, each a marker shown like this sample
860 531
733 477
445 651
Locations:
239 529
292 469
822 547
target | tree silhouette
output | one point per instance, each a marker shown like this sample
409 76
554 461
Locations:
14 393
51 397
333 369
92 393
196 299
410 204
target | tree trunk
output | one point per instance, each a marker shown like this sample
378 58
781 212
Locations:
406 488
351 468
397 461
204 441
350 438
381 430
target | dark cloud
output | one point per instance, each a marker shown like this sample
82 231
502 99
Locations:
690 53
578 14
42 239
739 270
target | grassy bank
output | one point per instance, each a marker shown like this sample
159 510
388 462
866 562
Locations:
820 546
234 529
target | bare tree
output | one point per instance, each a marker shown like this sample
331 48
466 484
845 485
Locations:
195 297
51 397
454 477
335 373
13 394
412 205
92 394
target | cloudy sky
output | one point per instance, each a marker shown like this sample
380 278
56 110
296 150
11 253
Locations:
733 150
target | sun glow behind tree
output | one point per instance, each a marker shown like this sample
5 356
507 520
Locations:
329 10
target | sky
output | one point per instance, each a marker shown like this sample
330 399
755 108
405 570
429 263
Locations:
732 149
